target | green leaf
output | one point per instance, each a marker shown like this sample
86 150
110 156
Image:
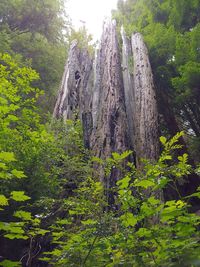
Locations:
128 219
8 263
118 157
18 174
63 222
45 259
89 222
19 196
73 212
41 231
125 154
145 184
16 236
24 215
7 156
3 200
15 229
124 183
97 160
3 166
143 232
153 201
163 140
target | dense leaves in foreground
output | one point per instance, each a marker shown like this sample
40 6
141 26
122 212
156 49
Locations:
54 210
140 229
34 161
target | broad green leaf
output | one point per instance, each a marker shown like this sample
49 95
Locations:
63 222
41 231
145 184
18 174
24 215
124 183
162 181
3 200
73 212
180 204
3 166
98 160
7 156
125 154
153 201
8 263
143 232
12 118
147 210
16 236
118 157
19 196
128 219
14 229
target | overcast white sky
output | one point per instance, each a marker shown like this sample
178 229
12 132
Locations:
92 12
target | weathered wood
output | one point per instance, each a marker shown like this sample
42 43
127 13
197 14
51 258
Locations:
127 70
109 116
119 111
146 114
75 95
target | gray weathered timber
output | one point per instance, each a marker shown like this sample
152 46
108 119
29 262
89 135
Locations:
110 133
75 95
127 70
146 114
114 98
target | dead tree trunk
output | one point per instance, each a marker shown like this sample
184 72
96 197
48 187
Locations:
75 95
109 116
146 114
119 112
127 70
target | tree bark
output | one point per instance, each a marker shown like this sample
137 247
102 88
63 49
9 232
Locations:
128 80
75 95
109 116
146 114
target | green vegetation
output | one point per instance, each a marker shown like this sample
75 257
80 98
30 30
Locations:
31 151
34 32
171 30
54 211
141 229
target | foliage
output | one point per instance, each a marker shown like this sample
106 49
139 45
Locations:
33 155
171 31
50 194
140 230
37 31
84 39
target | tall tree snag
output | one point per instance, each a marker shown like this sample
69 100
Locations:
109 116
75 95
146 114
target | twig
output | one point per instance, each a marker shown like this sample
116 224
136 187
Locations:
90 250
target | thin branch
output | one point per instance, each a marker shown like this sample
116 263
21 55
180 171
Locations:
90 250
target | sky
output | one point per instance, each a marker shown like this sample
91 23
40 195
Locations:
92 12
